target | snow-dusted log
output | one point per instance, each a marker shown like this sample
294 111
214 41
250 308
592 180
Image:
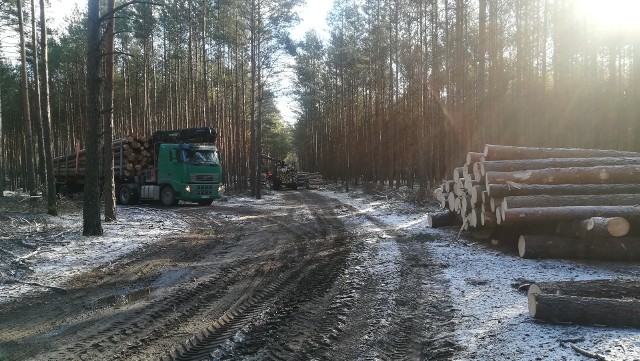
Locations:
576 175
506 152
609 288
595 227
569 200
569 213
585 310
603 227
441 219
622 249
517 189
533 164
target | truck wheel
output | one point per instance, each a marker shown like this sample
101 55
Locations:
205 202
168 197
127 195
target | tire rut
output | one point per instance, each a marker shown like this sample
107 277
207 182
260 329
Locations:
290 281
310 278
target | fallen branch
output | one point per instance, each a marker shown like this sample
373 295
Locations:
571 340
588 354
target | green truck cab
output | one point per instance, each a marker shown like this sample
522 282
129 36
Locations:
188 172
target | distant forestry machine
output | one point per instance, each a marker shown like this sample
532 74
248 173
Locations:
169 166
280 174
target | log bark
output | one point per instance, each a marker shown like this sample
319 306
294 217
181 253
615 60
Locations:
570 200
602 227
572 213
622 249
506 237
534 164
576 175
608 288
505 152
595 227
517 189
441 219
585 310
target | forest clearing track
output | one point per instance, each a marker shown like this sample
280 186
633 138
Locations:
303 278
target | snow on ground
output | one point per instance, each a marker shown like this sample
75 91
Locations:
493 321
70 253
492 316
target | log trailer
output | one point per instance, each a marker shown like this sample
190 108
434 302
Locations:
169 166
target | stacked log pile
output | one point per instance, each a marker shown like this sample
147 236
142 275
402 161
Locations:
550 202
131 155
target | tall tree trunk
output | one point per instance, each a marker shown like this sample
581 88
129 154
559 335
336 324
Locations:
52 207
254 156
109 186
92 225
36 97
26 109
260 102
1 149
482 67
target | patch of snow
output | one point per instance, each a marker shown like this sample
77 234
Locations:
492 317
55 263
492 320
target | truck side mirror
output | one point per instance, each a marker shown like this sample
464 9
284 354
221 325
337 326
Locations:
173 156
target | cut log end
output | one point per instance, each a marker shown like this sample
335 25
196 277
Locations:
532 303
522 247
617 226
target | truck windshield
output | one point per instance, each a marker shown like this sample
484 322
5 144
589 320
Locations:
208 157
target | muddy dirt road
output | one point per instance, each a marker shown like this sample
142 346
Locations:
306 277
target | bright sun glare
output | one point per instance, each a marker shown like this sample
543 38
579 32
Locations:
612 14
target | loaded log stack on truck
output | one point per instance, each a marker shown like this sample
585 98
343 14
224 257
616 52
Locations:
169 166
280 174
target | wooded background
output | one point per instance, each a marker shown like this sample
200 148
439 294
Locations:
399 92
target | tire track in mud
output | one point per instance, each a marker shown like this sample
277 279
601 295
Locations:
290 282
339 309
311 277
406 318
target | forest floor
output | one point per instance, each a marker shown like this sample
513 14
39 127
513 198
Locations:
298 275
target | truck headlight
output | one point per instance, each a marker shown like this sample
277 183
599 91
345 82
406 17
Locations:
187 189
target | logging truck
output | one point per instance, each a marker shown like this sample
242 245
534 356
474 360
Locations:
169 166
280 174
